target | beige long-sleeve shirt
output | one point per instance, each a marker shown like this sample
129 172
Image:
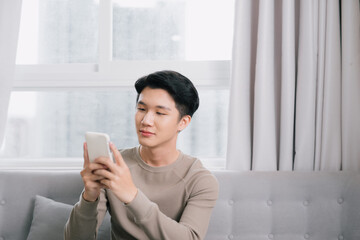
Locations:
173 202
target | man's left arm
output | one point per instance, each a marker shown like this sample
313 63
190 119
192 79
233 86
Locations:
194 220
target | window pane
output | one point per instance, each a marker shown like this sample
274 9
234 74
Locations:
52 124
53 31
172 30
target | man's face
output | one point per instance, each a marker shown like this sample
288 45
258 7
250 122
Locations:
157 119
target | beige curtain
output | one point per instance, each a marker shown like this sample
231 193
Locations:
10 12
295 91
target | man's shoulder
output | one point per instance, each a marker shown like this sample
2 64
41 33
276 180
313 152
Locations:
197 169
129 154
194 164
200 180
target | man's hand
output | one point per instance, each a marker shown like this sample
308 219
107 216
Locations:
115 176
91 181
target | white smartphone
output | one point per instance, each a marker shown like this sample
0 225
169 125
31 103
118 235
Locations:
98 145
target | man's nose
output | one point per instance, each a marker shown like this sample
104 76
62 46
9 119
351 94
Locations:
148 119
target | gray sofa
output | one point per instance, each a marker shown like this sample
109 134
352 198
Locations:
251 205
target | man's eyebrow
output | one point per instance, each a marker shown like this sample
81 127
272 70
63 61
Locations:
163 107
158 106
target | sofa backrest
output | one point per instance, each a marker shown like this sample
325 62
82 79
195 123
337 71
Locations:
287 206
251 205
17 196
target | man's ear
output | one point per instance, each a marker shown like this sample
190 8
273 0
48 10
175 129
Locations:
184 122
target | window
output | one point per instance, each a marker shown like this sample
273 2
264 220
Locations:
51 124
172 30
67 31
78 60
54 31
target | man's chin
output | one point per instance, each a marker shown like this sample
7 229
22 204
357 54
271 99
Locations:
146 143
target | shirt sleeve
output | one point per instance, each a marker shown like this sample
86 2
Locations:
86 218
194 220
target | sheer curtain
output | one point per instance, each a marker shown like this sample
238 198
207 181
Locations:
295 91
10 12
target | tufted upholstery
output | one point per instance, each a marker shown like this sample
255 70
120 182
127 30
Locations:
251 205
17 196
287 206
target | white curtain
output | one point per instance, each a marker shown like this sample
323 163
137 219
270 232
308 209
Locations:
295 89
10 12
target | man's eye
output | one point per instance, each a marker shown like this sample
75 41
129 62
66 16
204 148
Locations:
159 113
141 109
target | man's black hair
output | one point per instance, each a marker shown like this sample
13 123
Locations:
180 88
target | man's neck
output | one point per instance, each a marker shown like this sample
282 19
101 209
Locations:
158 157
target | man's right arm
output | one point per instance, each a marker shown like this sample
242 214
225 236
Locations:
85 218
89 212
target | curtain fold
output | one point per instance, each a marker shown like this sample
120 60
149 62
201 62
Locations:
330 139
264 148
10 13
306 87
288 72
319 96
241 91
350 74
295 89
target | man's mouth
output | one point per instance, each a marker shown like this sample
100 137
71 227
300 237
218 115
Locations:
146 133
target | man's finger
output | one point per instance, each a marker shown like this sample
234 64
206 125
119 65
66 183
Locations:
95 166
118 158
86 155
104 162
96 178
104 173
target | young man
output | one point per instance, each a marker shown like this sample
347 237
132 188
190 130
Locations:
152 191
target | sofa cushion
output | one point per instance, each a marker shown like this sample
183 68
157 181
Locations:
49 219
